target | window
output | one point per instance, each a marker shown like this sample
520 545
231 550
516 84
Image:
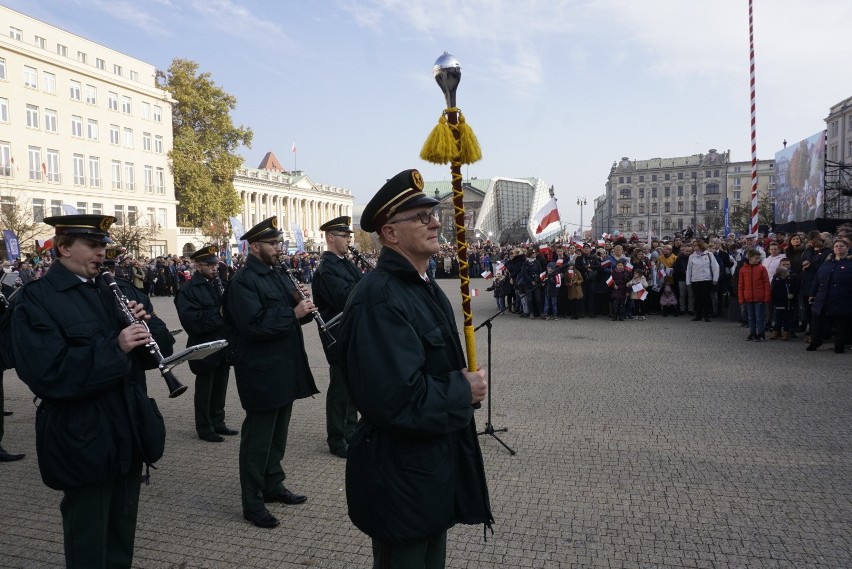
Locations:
641 178
128 137
74 89
82 207
119 215
125 105
680 175
642 208
653 192
146 141
641 193
38 210
113 101
15 34
668 177
40 42
737 195
624 209
711 205
5 159
132 215
4 110
738 182
624 193
708 174
116 175
113 134
134 75
715 173
161 181
97 208
48 82
79 171
55 207
694 175
149 179
129 177
680 191
667 191
91 95
653 208
51 121
667 224
712 188
116 68
158 113
100 63
77 126
92 129
680 224
32 116
53 166
653 177
667 207
94 171
621 179
35 163
161 217
7 205
628 179
2 68
145 110
158 144
82 57
30 77
680 207
61 50
641 226
694 189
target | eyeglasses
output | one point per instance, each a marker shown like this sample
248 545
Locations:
273 242
424 216
342 235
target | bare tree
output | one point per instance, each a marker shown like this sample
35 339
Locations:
16 214
135 237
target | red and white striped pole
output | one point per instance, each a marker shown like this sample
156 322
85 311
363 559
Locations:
754 205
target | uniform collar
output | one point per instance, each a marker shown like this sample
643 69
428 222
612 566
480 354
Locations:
61 278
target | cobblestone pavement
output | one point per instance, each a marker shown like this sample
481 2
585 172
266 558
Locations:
664 443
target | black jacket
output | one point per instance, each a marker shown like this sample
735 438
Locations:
270 364
414 467
333 280
199 304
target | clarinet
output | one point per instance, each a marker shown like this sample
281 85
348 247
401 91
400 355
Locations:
324 328
365 263
175 387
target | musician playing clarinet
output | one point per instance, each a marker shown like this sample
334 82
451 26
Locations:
95 425
333 280
199 307
270 366
414 467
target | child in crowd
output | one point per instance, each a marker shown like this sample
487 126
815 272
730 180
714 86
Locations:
668 301
785 291
753 293
551 291
620 277
499 287
574 283
638 311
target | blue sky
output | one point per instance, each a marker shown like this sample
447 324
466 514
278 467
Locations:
558 89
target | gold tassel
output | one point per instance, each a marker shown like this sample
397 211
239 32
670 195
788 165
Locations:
440 147
469 149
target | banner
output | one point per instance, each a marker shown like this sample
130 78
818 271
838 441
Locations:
300 238
239 230
69 209
13 249
800 171
727 219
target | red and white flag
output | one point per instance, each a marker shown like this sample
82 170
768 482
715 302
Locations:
542 275
486 274
294 146
610 281
474 292
605 263
559 262
601 242
558 280
643 294
544 249
547 215
628 266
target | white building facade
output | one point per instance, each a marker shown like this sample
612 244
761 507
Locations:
83 125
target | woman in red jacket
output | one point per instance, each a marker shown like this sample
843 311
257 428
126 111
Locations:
754 292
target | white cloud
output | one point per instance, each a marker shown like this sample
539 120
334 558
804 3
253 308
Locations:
235 20
129 12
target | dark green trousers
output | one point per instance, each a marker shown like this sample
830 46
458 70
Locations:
340 413
211 388
263 440
99 522
430 554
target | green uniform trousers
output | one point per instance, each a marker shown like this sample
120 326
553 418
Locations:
211 388
430 554
340 413
263 440
99 522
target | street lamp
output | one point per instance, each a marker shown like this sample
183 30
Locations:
581 202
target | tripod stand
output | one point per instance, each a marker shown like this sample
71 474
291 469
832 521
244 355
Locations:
489 426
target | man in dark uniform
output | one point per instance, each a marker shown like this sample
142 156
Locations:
4 306
199 307
270 366
333 281
414 467
95 425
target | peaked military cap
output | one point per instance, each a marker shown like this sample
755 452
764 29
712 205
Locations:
208 254
92 227
341 223
402 192
266 229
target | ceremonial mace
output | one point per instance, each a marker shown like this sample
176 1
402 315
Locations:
453 141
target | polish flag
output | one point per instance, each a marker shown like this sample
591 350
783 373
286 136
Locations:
610 281
42 245
559 262
601 242
558 280
542 275
544 249
571 273
486 274
546 215
44 168
294 146
642 295
662 273
606 263
629 267
474 292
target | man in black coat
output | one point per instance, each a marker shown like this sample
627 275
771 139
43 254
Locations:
270 366
415 467
199 307
333 281
95 425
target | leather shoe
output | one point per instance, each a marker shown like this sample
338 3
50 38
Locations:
9 457
340 450
696 319
211 438
286 497
812 347
7 413
261 519
227 431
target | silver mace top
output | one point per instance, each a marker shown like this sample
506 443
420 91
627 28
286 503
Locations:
447 72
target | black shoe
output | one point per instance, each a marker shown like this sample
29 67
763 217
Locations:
7 413
261 519
812 347
286 497
227 431
696 319
760 338
9 457
706 319
341 451
751 337
211 438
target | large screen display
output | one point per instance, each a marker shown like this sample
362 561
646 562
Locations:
800 169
